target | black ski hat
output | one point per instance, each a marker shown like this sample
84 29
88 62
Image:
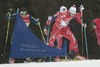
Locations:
23 9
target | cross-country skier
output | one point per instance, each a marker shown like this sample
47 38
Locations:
27 18
63 17
96 26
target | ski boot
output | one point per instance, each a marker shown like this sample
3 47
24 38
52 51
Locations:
71 54
79 57
11 60
57 59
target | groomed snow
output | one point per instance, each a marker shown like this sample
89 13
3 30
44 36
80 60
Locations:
83 63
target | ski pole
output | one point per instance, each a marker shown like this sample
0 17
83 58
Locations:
9 16
48 33
8 25
82 37
17 11
41 32
82 8
86 41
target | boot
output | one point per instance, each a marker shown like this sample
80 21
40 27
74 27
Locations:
80 57
71 54
11 60
57 59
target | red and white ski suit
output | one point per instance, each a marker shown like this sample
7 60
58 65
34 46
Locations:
97 30
26 19
59 31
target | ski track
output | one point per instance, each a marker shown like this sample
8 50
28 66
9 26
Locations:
82 63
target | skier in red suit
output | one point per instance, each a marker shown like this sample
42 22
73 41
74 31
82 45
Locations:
96 26
61 28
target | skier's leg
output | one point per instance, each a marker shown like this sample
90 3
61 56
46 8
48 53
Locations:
53 35
73 46
59 41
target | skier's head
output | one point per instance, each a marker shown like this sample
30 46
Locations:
63 9
72 9
96 22
23 11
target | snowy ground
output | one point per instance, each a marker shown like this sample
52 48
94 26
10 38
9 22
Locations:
84 63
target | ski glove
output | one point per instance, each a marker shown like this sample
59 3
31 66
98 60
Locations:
84 25
37 19
81 8
9 12
50 18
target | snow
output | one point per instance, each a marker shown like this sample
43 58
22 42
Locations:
83 63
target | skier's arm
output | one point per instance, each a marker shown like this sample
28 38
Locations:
12 16
79 20
35 21
9 14
80 14
51 19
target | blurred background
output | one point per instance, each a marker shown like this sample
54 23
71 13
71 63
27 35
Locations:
42 9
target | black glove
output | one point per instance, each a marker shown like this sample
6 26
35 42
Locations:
9 11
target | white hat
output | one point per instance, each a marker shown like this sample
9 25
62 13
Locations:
72 9
63 9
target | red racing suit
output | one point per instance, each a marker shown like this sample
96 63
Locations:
59 31
97 30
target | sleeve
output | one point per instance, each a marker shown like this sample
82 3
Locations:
52 20
13 16
80 14
78 17
79 20
55 15
32 19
